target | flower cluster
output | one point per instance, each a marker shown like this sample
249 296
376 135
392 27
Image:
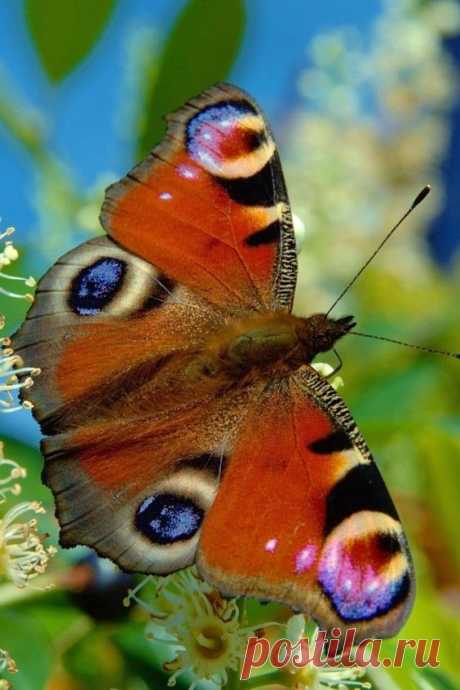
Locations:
13 375
22 553
9 254
206 636
369 132
202 631
311 678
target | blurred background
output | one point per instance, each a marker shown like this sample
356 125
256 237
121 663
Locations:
363 98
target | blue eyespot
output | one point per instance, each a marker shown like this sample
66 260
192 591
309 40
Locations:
167 518
206 129
95 286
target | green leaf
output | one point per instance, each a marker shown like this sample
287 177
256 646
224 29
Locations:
139 653
199 52
55 614
25 639
64 33
434 679
440 454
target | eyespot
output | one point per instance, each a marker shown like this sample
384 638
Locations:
364 568
229 140
96 285
167 518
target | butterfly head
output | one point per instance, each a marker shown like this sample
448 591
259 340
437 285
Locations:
319 332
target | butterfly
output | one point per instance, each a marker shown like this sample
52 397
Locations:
183 420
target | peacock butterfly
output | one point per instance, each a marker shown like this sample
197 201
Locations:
183 420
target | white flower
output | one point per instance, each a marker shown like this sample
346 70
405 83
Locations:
326 370
8 254
311 677
13 377
300 232
372 130
22 553
202 630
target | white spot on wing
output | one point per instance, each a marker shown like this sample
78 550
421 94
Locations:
187 172
271 545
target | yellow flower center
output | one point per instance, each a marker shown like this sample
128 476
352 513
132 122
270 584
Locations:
210 642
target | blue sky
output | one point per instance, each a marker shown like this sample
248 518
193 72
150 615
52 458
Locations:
82 111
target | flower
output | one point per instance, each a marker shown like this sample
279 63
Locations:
13 471
9 254
13 375
326 370
6 664
370 128
300 232
22 554
202 630
312 678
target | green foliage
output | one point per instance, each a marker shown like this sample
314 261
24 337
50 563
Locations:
433 679
199 52
28 644
32 461
65 32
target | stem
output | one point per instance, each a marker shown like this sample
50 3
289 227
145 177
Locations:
233 682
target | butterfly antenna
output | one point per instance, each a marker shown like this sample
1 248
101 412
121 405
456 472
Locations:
418 199
454 355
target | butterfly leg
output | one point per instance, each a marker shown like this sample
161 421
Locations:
338 367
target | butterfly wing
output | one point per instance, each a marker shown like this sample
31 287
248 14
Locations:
303 517
103 322
209 205
127 434
137 490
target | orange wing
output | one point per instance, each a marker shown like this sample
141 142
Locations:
124 422
136 488
303 517
209 206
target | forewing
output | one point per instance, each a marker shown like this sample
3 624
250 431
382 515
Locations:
209 205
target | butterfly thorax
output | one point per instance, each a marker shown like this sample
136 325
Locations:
272 341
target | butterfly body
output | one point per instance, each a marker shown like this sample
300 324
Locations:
268 342
183 422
